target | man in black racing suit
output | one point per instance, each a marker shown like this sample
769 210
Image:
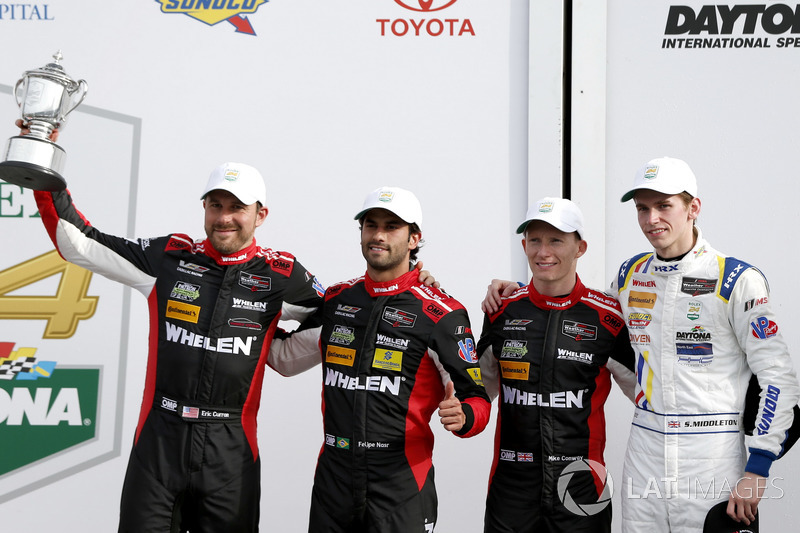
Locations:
214 307
554 344
391 349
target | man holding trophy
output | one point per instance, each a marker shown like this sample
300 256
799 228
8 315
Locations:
214 307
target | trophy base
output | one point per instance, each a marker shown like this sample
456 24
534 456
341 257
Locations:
34 164
31 176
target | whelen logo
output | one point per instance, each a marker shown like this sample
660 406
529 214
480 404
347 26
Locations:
433 27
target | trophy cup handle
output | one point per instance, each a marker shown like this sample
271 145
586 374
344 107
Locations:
83 87
16 91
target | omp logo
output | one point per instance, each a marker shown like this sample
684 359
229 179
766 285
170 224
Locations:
422 5
232 345
41 411
214 11
558 400
433 27
334 378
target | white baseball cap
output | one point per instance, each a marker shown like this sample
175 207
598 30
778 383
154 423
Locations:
243 181
562 214
666 175
399 201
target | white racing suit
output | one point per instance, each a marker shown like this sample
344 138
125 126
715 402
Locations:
700 326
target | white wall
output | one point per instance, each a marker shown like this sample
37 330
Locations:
729 113
328 109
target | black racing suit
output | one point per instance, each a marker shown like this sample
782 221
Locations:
554 357
194 464
388 349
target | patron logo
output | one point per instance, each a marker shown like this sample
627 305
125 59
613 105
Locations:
399 318
185 291
254 282
579 331
342 335
514 349
424 25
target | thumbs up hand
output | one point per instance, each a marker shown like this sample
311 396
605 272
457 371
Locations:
450 411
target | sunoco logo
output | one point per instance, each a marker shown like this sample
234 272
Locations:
436 26
215 11
736 26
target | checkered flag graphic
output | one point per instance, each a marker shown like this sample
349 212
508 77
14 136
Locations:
9 368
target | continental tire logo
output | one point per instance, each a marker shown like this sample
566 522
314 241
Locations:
598 471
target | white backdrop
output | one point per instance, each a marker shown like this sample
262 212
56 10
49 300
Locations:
329 108
729 113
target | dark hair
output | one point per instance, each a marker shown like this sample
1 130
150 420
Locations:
414 228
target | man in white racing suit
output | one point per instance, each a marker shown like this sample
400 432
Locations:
701 325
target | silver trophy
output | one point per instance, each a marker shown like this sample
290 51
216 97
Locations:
45 97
